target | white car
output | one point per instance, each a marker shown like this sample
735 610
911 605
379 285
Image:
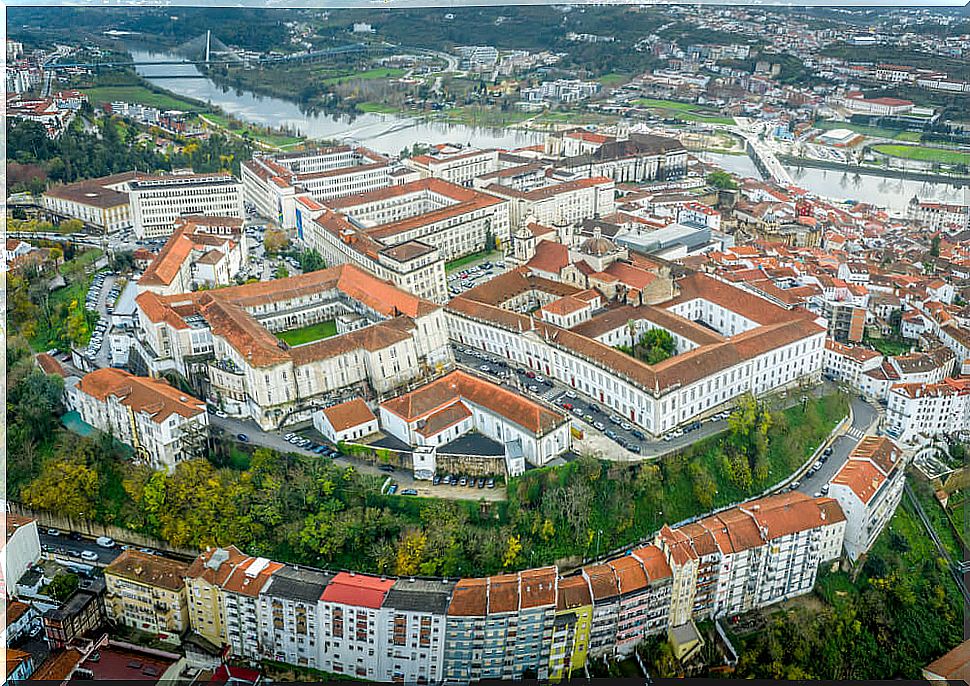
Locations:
89 555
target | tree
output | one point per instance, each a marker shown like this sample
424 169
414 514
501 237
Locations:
62 586
275 241
935 246
721 180
281 272
64 486
311 261
513 549
71 225
703 484
410 553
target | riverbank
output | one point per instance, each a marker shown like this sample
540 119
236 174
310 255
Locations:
885 172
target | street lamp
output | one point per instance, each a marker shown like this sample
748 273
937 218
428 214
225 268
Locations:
599 532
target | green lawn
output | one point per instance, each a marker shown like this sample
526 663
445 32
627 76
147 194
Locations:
369 75
613 78
938 518
924 154
684 111
309 334
890 346
140 95
468 259
378 108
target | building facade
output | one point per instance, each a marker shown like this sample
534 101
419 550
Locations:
158 201
162 424
147 592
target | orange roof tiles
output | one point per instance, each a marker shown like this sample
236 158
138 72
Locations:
348 414
503 593
154 397
348 588
458 385
629 573
148 569
469 598
537 587
573 592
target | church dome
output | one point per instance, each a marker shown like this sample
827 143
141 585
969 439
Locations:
598 246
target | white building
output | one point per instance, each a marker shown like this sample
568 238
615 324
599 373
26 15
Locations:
225 341
351 637
918 411
272 183
750 556
287 615
847 363
21 550
557 204
157 201
202 251
728 342
348 421
453 405
453 163
412 631
939 216
405 233
100 203
162 424
868 488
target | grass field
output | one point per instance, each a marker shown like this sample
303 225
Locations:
140 95
613 79
378 108
309 334
890 346
924 154
684 111
369 75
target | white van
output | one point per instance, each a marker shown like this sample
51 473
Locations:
105 542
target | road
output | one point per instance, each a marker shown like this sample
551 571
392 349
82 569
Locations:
863 418
402 477
556 393
59 548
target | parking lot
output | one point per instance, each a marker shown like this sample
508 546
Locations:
474 275
101 298
619 438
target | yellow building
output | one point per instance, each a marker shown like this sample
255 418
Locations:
570 633
147 592
204 580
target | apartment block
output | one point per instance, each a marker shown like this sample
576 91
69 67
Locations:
412 635
571 627
454 164
917 412
147 592
351 629
287 615
868 488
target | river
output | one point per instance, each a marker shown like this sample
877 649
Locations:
891 193
385 133
389 134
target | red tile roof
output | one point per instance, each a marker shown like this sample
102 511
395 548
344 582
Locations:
361 590
348 414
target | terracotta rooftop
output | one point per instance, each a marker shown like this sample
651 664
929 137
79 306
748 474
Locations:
154 397
148 569
348 588
348 414
458 385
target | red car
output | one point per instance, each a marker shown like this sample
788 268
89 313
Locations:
531 375
567 406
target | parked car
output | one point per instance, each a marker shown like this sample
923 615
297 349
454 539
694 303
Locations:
637 434
490 483
392 489
243 437
89 555
409 491
386 468
105 541
53 532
